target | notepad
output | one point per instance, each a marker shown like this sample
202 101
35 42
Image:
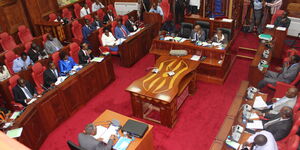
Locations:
232 144
254 116
256 124
195 58
267 37
97 59
227 20
15 115
259 103
112 130
14 133
122 143
270 26
281 28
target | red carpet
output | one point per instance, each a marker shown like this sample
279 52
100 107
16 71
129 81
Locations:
199 120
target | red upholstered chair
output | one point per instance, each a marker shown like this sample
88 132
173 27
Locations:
165 6
291 84
66 13
103 48
52 17
37 75
124 19
77 33
100 14
74 49
7 42
113 26
55 58
12 83
10 56
111 7
89 17
45 38
77 9
89 3
27 46
24 34
277 14
293 143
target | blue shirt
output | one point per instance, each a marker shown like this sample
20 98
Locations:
257 5
158 11
18 64
66 66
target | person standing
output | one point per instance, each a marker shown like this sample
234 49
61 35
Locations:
180 6
257 6
97 5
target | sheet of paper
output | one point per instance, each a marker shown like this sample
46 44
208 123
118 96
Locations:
254 116
281 28
256 124
259 103
232 144
195 58
97 59
122 143
100 131
226 20
168 38
14 133
120 41
60 80
15 115
112 130
31 101
270 26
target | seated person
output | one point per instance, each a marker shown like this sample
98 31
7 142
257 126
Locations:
97 5
21 63
131 24
219 37
198 34
109 17
50 75
87 29
262 140
97 23
4 73
283 20
156 9
52 44
65 63
287 75
88 142
23 92
281 124
36 53
85 10
168 26
121 31
84 54
109 40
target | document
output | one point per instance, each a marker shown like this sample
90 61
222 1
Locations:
120 41
112 130
15 115
195 58
281 28
14 133
259 103
31 101
60 80
226 20
253 116
270 26
97 59
232 144
100 131
256 124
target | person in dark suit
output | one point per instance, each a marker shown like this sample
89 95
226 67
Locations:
109 17
283 20
84 54
180 6
50 75
281 124
88 142
97 22
23 92
87 29
120 30
131 25
198 33
36 53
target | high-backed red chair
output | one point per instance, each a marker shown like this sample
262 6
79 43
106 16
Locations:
55 58
10 56
100 14
27 46
52 17
89 3
124 19
77 9
293 142
277 14
89 17
7 42
293 131
24 34
37 75
111 7
12 83
45 38
66 13
165 6
297 79
104 48
113 26
74 49
77 33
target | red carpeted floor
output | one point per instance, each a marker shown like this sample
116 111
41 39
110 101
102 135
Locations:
199 120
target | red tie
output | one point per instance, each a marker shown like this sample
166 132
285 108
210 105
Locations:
124 32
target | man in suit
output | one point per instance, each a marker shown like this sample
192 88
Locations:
198 34
109 17
36 53
50 75
287 75
52 44
283 20
121 31
23 92
131 25
281 124
87 29
88 142
84 54
97 22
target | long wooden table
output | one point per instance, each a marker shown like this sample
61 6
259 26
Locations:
164 93
209 70
145 143
49 111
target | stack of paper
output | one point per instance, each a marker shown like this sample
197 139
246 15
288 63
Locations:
112 130
266 37
256 124
270 26
97 59
281 28
195 58
259 103
14 133
100 131
226 20
253 116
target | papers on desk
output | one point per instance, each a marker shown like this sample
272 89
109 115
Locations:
105 133
270 26
259 103
205 44
177 39
227 20
266 37
281 28
14 133
77 67
60 80
195 58
256 124
97 59
216 44
232 144
31 101
7 124
253 116
100 131
120 41
122 143
15 115
133 33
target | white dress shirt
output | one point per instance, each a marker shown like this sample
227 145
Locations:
274 6
96 7
108 40
19 64
84 12
284 101
133 25
270 145
5 74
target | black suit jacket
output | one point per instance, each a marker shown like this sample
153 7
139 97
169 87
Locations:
106 18
83 59
49 78
129 26
97 24
280 129
34 56
20 96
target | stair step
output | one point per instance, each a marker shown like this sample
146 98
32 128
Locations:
248 49
243 56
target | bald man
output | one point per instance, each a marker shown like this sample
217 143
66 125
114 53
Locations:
262 140
289 100
198 34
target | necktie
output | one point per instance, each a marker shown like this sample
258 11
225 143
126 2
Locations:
196 36
124 32
86 11
27 92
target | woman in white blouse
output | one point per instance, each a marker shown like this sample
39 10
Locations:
109 40
219 37
4 74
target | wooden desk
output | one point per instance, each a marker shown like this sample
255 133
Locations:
42 116
209 70
145 143
214 24
164 93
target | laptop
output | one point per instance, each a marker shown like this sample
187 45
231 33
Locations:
134 128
